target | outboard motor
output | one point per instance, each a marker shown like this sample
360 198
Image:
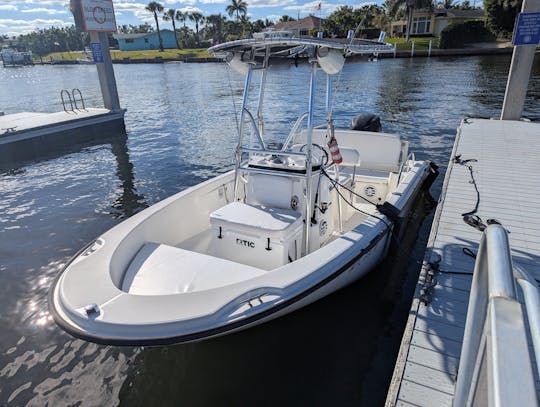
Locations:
366 122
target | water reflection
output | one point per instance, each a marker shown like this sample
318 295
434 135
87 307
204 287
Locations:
48 210
129 202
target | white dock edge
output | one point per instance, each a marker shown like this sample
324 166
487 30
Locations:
507 174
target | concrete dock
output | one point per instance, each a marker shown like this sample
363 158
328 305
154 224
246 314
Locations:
29 135
506 173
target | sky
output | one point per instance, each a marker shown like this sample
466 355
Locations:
23 16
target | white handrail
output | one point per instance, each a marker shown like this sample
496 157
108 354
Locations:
495 349
529 287
294 129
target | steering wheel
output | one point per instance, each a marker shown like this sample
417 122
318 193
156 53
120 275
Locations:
320 148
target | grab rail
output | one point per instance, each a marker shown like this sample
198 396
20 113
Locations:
496 367
293 130
64 101
72 99
80 97
412 157
243 168
531 295
255 127
273 152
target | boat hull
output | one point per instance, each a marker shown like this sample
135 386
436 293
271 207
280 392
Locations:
164 320
340 278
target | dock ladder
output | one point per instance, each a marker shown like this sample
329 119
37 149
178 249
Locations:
73 98
497 366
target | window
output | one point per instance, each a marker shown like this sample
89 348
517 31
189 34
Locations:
303 32
146 40
129 40
421 25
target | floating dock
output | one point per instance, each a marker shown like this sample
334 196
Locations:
505 165
29 135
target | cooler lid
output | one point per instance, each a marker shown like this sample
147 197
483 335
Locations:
255 216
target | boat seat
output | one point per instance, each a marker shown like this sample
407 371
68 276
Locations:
350 156
159 269
370 150
269 190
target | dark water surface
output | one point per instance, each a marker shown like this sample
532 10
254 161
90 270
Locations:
181 126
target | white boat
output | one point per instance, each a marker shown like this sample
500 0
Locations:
286 227
12 58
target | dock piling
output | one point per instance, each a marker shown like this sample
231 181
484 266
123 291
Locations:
105 70
520 71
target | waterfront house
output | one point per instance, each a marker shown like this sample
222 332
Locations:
300 28
145 41
431 22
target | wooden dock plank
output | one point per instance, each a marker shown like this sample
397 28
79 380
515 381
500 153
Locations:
438 380
444 330
419 395
433 359
429 341
402 403
447 304
443 315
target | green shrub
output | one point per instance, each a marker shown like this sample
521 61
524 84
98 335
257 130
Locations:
369 33
458 34
501 16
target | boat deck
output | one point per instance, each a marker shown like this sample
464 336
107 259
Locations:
506 174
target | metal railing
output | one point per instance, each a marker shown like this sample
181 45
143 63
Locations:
69 99
496 365
72 99
78 92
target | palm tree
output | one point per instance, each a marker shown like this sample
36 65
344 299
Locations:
170 15
198 18
237 6
410 5
216 22
155 7
285 18
181 17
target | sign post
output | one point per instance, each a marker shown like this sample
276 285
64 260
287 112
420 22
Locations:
526 37
97 18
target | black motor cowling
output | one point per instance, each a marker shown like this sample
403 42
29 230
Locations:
366 122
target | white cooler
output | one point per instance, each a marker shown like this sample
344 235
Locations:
256 235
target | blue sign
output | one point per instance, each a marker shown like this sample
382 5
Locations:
97 52
527 31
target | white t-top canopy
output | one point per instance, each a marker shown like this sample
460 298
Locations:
289 46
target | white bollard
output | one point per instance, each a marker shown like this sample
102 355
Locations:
412 49
429 49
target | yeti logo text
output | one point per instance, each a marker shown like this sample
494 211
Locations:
246 243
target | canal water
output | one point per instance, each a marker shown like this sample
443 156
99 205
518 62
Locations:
181 131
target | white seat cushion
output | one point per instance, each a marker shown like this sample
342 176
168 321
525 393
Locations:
253 218
158 269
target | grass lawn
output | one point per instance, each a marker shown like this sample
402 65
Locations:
168 53
134 55
420 43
